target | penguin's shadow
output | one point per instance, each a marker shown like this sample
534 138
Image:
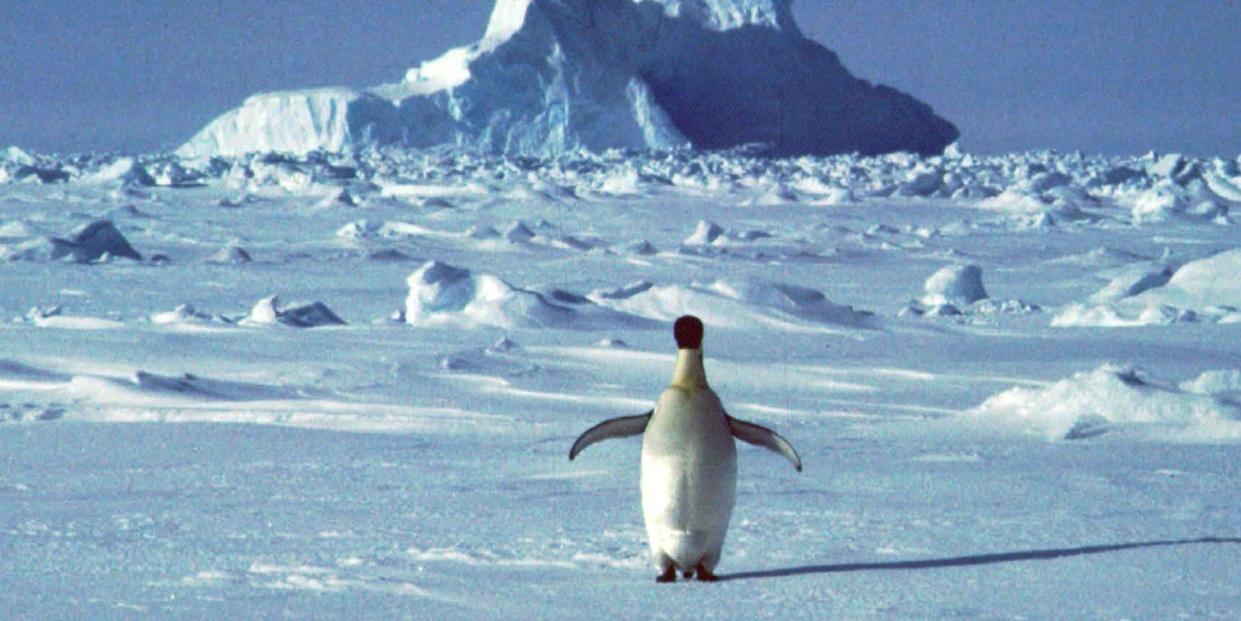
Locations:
973 560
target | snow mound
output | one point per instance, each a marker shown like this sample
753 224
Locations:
734 303
15 155
267 311
96 241
705 233
921 181
54 317
441 294
17 230
821 194
1202 290
125 170
186 315
1132 281
1111 398
955 284
709 238
230 255
1224 187
358 230
1220 383
1058 203
623 182
1118 316
1212 281
518 233
170 173
957 291
150 388
1168 200
554 76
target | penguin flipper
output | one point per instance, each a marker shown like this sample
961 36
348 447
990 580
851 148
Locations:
622 427
759 435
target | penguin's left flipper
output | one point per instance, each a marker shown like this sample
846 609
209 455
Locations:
759 435
622 427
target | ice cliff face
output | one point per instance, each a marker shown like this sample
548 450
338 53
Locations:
551 76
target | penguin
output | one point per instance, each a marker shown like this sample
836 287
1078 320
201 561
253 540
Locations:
689 463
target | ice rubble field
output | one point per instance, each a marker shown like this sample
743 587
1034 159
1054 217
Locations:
1015 383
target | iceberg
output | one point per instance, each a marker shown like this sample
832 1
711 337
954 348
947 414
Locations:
556 76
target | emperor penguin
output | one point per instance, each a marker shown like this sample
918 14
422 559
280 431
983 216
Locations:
689 463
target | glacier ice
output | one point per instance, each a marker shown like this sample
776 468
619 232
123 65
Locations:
555 76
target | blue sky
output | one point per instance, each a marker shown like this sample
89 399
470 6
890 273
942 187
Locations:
1096 75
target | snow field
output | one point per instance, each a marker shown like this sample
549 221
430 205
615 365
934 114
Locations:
165 415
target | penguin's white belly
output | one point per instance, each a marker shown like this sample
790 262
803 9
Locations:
689 478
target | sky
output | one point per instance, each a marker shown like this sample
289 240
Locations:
1100 76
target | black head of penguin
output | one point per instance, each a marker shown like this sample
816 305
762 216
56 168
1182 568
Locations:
688 332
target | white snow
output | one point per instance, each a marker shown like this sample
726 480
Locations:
734 304
230 255
1111 398
169 449
124 170
955 284
730 14
1221 383
1201 290
444 294
1212 281
705 233
267 311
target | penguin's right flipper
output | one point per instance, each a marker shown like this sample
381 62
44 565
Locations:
622 427
759 435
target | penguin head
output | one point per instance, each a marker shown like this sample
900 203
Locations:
688 332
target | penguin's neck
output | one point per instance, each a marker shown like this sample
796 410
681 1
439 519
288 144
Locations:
689 374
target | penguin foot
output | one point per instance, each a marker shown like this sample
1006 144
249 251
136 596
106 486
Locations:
705 575
669 575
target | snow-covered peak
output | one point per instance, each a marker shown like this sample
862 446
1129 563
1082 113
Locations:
729 14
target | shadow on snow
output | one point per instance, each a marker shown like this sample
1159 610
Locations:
979 559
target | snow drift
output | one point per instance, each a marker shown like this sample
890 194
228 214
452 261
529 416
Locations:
1206 282
1202 290
1112 398
440 294
551 76
735 303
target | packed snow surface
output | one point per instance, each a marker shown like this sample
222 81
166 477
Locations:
555 76
345 385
